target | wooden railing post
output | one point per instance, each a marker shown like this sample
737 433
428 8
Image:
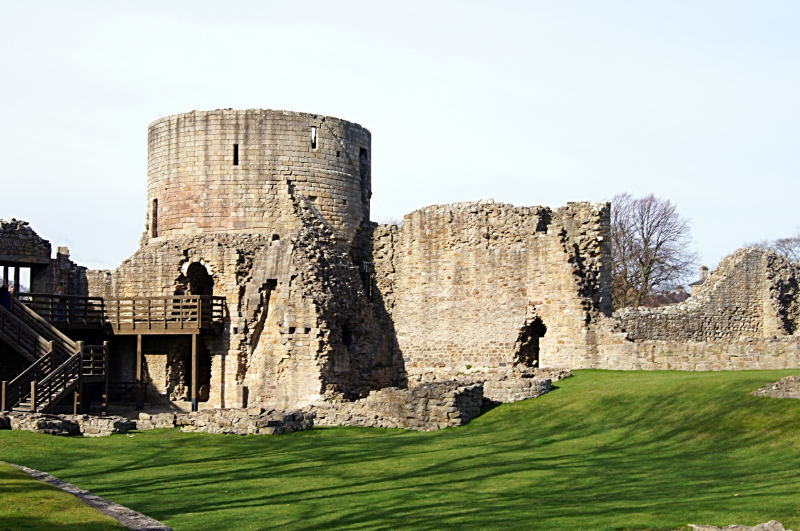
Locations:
3 391
79 387
106 359
33 396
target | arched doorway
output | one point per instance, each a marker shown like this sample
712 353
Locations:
528 352
198 280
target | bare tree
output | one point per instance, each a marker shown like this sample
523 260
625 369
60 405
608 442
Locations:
789 247
651 251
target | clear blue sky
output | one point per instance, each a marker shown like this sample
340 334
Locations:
530 103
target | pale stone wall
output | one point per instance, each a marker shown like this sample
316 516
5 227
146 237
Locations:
195 186
753 293
619 353
20 246
426 407
288 302
19 243
463 282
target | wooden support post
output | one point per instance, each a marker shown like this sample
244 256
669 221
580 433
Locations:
194 372
139 389
106 360
78 406
3 388
33 396
5 275
16 281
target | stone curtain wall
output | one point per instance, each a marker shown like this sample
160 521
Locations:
462 282
198 188
618 353
753 293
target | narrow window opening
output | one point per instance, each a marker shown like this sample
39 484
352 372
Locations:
338 154
363 167
291 329
154 220
313 137
276 237
347 335
236 154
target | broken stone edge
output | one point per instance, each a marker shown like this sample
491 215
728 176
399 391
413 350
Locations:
127 517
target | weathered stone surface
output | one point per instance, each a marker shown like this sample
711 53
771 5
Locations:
21 245
772 525
788 387
465 284
65 425
426 407
753 293
240 422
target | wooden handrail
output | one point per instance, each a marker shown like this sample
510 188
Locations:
40 325
21 336
165 311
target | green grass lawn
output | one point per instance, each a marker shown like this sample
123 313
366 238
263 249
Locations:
605 450
29 504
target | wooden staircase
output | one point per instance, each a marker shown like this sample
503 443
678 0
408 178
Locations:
59 365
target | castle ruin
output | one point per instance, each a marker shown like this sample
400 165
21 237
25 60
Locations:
271 210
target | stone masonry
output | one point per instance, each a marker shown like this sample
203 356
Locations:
270 209
426 407
788 387
20 246
489 285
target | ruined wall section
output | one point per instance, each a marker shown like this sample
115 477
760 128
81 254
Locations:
19 243
569 284
20 246
298 323
462 283
753 293
230 170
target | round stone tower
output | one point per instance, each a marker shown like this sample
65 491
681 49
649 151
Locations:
244 171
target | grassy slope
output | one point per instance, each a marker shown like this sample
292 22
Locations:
607 450
29 504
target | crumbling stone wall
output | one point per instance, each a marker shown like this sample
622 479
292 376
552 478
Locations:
464 284
289 303
252 421
426 407
788 387
19 243
21 246
617 352
753 293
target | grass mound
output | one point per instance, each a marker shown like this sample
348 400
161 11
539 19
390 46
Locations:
605 450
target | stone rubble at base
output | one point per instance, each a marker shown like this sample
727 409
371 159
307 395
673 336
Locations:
772 525
788 387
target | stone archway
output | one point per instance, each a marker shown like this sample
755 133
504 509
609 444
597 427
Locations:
528 344
198 280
